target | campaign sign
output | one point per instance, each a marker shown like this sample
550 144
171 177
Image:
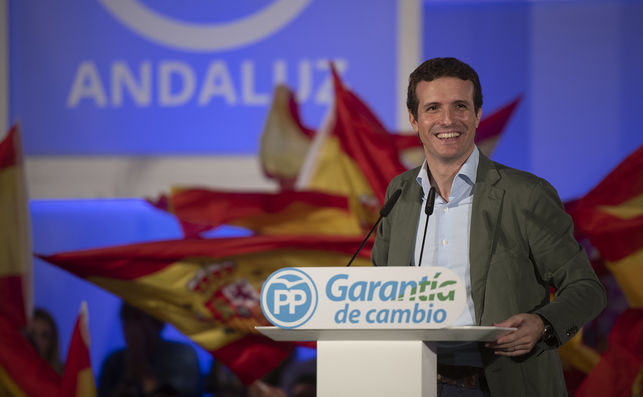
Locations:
363 297
162 77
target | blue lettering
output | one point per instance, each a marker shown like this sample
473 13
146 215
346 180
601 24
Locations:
382 316
400 313
442 313
357 291
368 316
340 289
416 311
391 295
371 289
354 316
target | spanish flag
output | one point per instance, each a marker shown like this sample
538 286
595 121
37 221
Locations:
78 380
284 139
352 155
23 373
209 289
611 216
619 373
287 212
15 234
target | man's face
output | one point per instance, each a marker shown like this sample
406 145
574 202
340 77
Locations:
446 122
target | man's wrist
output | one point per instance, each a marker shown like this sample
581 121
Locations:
548 336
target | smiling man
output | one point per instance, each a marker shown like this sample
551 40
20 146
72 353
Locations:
503 231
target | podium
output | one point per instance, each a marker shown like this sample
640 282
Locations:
380 362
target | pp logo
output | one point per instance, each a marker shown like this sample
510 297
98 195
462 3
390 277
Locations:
289 298
200 37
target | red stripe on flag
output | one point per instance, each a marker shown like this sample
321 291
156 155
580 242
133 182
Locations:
253 356
32 374
77 359
619 367
9 149
118 261
615 238
622 184
365 140
216 207
492 126
12 302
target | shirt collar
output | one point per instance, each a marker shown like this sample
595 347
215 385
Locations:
467 172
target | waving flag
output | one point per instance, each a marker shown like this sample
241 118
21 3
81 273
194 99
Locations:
288 212
78 380
284 140
22 371
611 216
209 289
15 235
619 373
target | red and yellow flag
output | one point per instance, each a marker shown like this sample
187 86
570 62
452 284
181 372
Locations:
15 235
23 373
284 140
619 373
78 379
611 216
353 155
209 289
288 212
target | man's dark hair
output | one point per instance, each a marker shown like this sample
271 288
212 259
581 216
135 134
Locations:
442 67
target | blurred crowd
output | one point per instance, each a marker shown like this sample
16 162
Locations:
150 366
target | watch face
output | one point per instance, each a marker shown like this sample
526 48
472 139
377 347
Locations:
548 336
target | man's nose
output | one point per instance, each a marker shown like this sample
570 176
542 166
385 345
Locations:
447 116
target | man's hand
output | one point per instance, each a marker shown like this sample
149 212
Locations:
521 341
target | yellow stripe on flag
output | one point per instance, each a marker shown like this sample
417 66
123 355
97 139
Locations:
579 355
86 387
337 173
8 388
215 301
15 240
629 209
628 272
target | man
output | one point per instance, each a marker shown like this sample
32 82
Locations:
503 231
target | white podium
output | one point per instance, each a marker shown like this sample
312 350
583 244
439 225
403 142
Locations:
379 362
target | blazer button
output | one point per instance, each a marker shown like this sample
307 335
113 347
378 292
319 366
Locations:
571 331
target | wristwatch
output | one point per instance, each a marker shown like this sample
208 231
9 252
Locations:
549 337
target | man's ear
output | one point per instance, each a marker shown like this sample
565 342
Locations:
478 117
413 122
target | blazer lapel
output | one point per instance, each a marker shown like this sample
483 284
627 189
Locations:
408 212
487 201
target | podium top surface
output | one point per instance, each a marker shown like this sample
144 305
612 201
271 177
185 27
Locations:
448 334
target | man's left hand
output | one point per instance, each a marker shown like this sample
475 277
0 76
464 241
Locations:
521 341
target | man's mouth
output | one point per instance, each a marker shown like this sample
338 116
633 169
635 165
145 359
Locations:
447 135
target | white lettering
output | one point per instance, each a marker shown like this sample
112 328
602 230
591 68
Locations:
87 84
305 81
248 84
179 83
187 82
122 77
217 83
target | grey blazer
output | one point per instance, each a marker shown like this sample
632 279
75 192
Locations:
521 245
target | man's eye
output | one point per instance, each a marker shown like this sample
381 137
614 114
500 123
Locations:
431 108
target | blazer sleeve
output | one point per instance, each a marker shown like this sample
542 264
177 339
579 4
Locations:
562 262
